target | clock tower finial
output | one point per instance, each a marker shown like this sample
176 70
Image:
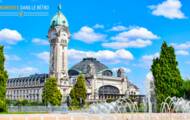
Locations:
59 7
59 19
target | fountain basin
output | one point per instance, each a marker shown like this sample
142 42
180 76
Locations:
86 116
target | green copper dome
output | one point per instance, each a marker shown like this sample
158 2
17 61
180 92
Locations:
59 19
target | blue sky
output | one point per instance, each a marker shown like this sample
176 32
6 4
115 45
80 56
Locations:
122 33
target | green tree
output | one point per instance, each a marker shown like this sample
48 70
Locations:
3 81
167 78
78 91
186 89
51 93
74 101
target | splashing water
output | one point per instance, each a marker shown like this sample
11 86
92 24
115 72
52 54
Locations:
125 105
174 104
122 105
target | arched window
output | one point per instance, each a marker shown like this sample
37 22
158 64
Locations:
108 89
107 73
73 73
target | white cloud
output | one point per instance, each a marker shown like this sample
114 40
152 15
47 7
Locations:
147 58
170 9
135 33
136 37
10 36
98 26
182 52
88 35
136 44
127 70
181 49
23 71
118 28
12 57
101 55
146 61
43 56
40 41
181 46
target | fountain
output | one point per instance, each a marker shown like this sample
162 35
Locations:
122 105
174 104
149 80
172 107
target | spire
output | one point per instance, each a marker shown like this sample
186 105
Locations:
59 7
59 18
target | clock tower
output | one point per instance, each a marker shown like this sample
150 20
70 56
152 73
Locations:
58 36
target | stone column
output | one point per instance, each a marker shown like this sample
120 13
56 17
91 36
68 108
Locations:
64 60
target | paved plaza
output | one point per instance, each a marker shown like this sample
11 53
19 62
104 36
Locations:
85 116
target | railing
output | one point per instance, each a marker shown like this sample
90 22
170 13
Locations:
42 109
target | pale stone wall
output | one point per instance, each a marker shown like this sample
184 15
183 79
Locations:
132 91
26 88
113 81
58 56
98 81
32 94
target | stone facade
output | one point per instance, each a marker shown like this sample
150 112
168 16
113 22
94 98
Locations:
100 80
26 88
